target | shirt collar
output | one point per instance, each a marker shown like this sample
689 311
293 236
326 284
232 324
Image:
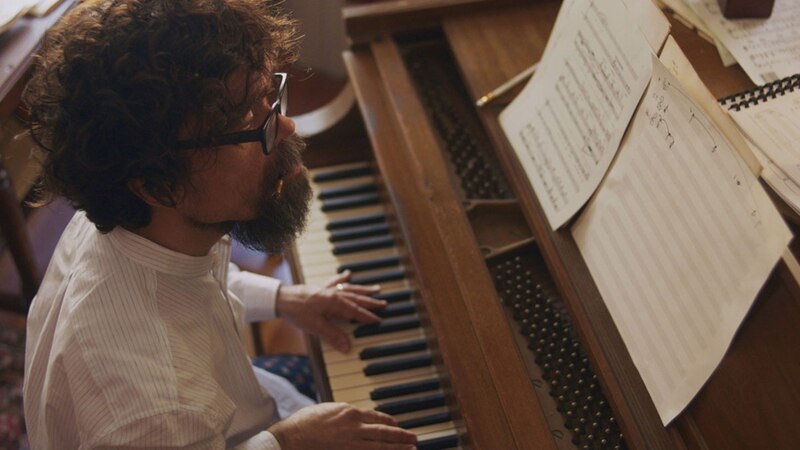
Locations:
161 259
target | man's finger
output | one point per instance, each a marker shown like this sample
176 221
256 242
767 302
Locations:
368 302
364 289
350 310
332 335
383 433
338 278
372 416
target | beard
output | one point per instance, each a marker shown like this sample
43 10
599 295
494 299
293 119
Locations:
280 217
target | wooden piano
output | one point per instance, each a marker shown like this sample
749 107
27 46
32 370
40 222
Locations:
496 336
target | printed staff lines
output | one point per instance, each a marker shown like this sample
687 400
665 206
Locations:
699 119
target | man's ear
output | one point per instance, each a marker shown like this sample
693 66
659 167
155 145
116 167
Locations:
139 190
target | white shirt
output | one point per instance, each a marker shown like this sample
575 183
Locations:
131 345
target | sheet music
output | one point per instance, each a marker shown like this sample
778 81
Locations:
566 125
679 239
767 49
686 14
651 21
781 184
678 64
774 126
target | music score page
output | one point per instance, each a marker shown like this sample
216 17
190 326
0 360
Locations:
767 49
679 239
774 125
567 123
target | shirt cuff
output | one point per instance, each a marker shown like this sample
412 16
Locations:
257 292
262 441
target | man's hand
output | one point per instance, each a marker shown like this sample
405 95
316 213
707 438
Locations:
311 308
334 426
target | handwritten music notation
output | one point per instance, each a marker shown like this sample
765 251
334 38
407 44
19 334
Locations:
679 238
662 95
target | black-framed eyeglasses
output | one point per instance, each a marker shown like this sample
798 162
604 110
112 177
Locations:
267 133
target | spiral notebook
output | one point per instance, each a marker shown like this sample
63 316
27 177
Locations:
769 117
761 94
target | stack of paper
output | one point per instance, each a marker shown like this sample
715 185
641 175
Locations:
684 13
679 235
772 126
767 49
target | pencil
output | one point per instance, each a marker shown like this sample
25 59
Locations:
505 87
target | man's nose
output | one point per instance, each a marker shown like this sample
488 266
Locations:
286 127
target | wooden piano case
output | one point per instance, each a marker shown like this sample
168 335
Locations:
533 356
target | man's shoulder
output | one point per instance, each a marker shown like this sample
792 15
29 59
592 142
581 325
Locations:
91 268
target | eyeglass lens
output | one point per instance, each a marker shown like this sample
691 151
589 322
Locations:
271 127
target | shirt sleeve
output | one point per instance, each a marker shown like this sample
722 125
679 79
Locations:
257 292
262 441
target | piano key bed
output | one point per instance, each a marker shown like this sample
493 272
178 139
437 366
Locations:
390 367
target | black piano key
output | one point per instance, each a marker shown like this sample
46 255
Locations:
395 348
377 263
342 174
352 201
439 443
397 365
408 405
412 387
361 245
425 421
396 310
387 326
394 296
381 277
344 234
344 191
355 221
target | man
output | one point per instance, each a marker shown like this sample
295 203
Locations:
161 121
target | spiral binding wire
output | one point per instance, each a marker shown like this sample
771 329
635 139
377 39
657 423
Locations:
760 94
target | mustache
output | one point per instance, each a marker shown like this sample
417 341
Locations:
281 217
288 155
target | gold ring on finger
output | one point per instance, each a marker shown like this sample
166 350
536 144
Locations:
339 286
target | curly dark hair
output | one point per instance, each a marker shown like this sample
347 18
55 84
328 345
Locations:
116 81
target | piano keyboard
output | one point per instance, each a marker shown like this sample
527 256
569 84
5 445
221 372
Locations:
389 367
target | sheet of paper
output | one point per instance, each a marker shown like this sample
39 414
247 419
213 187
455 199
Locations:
781 184
678 64
566 124
687 14
652 22
774 126
767 49
679 239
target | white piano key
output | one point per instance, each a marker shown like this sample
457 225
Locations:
436 434
318 265
362 393
359 379
368 341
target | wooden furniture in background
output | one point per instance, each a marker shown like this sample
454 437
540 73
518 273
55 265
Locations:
457 242
17 47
